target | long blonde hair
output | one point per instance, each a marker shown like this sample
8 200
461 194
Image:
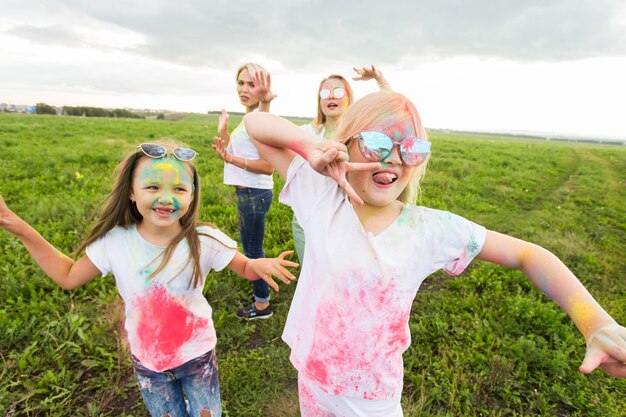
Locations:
375 108
320 118
117 210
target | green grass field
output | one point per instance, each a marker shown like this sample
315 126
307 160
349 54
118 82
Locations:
484 344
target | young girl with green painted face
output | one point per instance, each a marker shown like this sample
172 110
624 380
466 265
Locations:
148 236
369 248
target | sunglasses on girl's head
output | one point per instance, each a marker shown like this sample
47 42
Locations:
338 92
376 146
158 151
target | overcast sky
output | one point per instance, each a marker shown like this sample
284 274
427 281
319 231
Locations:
535 65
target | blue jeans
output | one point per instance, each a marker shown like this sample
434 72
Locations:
252 207
185 390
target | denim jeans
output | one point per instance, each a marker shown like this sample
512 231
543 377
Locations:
185 390
252 207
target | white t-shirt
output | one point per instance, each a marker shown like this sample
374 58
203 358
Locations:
167 322
308 128
348 322
240 145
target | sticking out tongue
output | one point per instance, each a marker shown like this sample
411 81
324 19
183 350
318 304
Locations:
384 177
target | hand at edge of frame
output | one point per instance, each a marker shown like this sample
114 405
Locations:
606 349
10 221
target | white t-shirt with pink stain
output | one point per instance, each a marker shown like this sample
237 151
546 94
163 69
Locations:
167 322
348 322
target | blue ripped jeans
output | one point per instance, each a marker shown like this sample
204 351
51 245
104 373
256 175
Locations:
186 390
252 207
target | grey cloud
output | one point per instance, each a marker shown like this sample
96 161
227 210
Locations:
54 34
314 34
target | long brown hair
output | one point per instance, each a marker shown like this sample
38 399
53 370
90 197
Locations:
117 210
320 118
374 108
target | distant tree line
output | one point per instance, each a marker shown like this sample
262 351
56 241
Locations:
43 108
99 112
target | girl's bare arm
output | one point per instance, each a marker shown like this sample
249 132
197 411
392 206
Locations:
606 340
62 269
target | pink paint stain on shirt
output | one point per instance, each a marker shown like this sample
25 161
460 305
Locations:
359 340
164 327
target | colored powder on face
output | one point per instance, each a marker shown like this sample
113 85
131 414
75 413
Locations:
161 170
164 326
176 205
163 166
397 125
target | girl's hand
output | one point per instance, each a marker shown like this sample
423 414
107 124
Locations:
331 159
222 124
268 267
10 221
606 349
263 86
220 149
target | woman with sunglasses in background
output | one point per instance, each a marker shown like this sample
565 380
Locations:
334 96
251 176
369 247
147 235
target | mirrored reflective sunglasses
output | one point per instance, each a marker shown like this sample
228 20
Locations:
338 92
158 151
376 146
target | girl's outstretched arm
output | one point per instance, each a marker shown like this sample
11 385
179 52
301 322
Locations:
264 268
606 340
278 141
63 270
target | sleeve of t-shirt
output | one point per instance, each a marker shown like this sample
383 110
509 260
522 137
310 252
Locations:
217 248
305 188
458 242
99 255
